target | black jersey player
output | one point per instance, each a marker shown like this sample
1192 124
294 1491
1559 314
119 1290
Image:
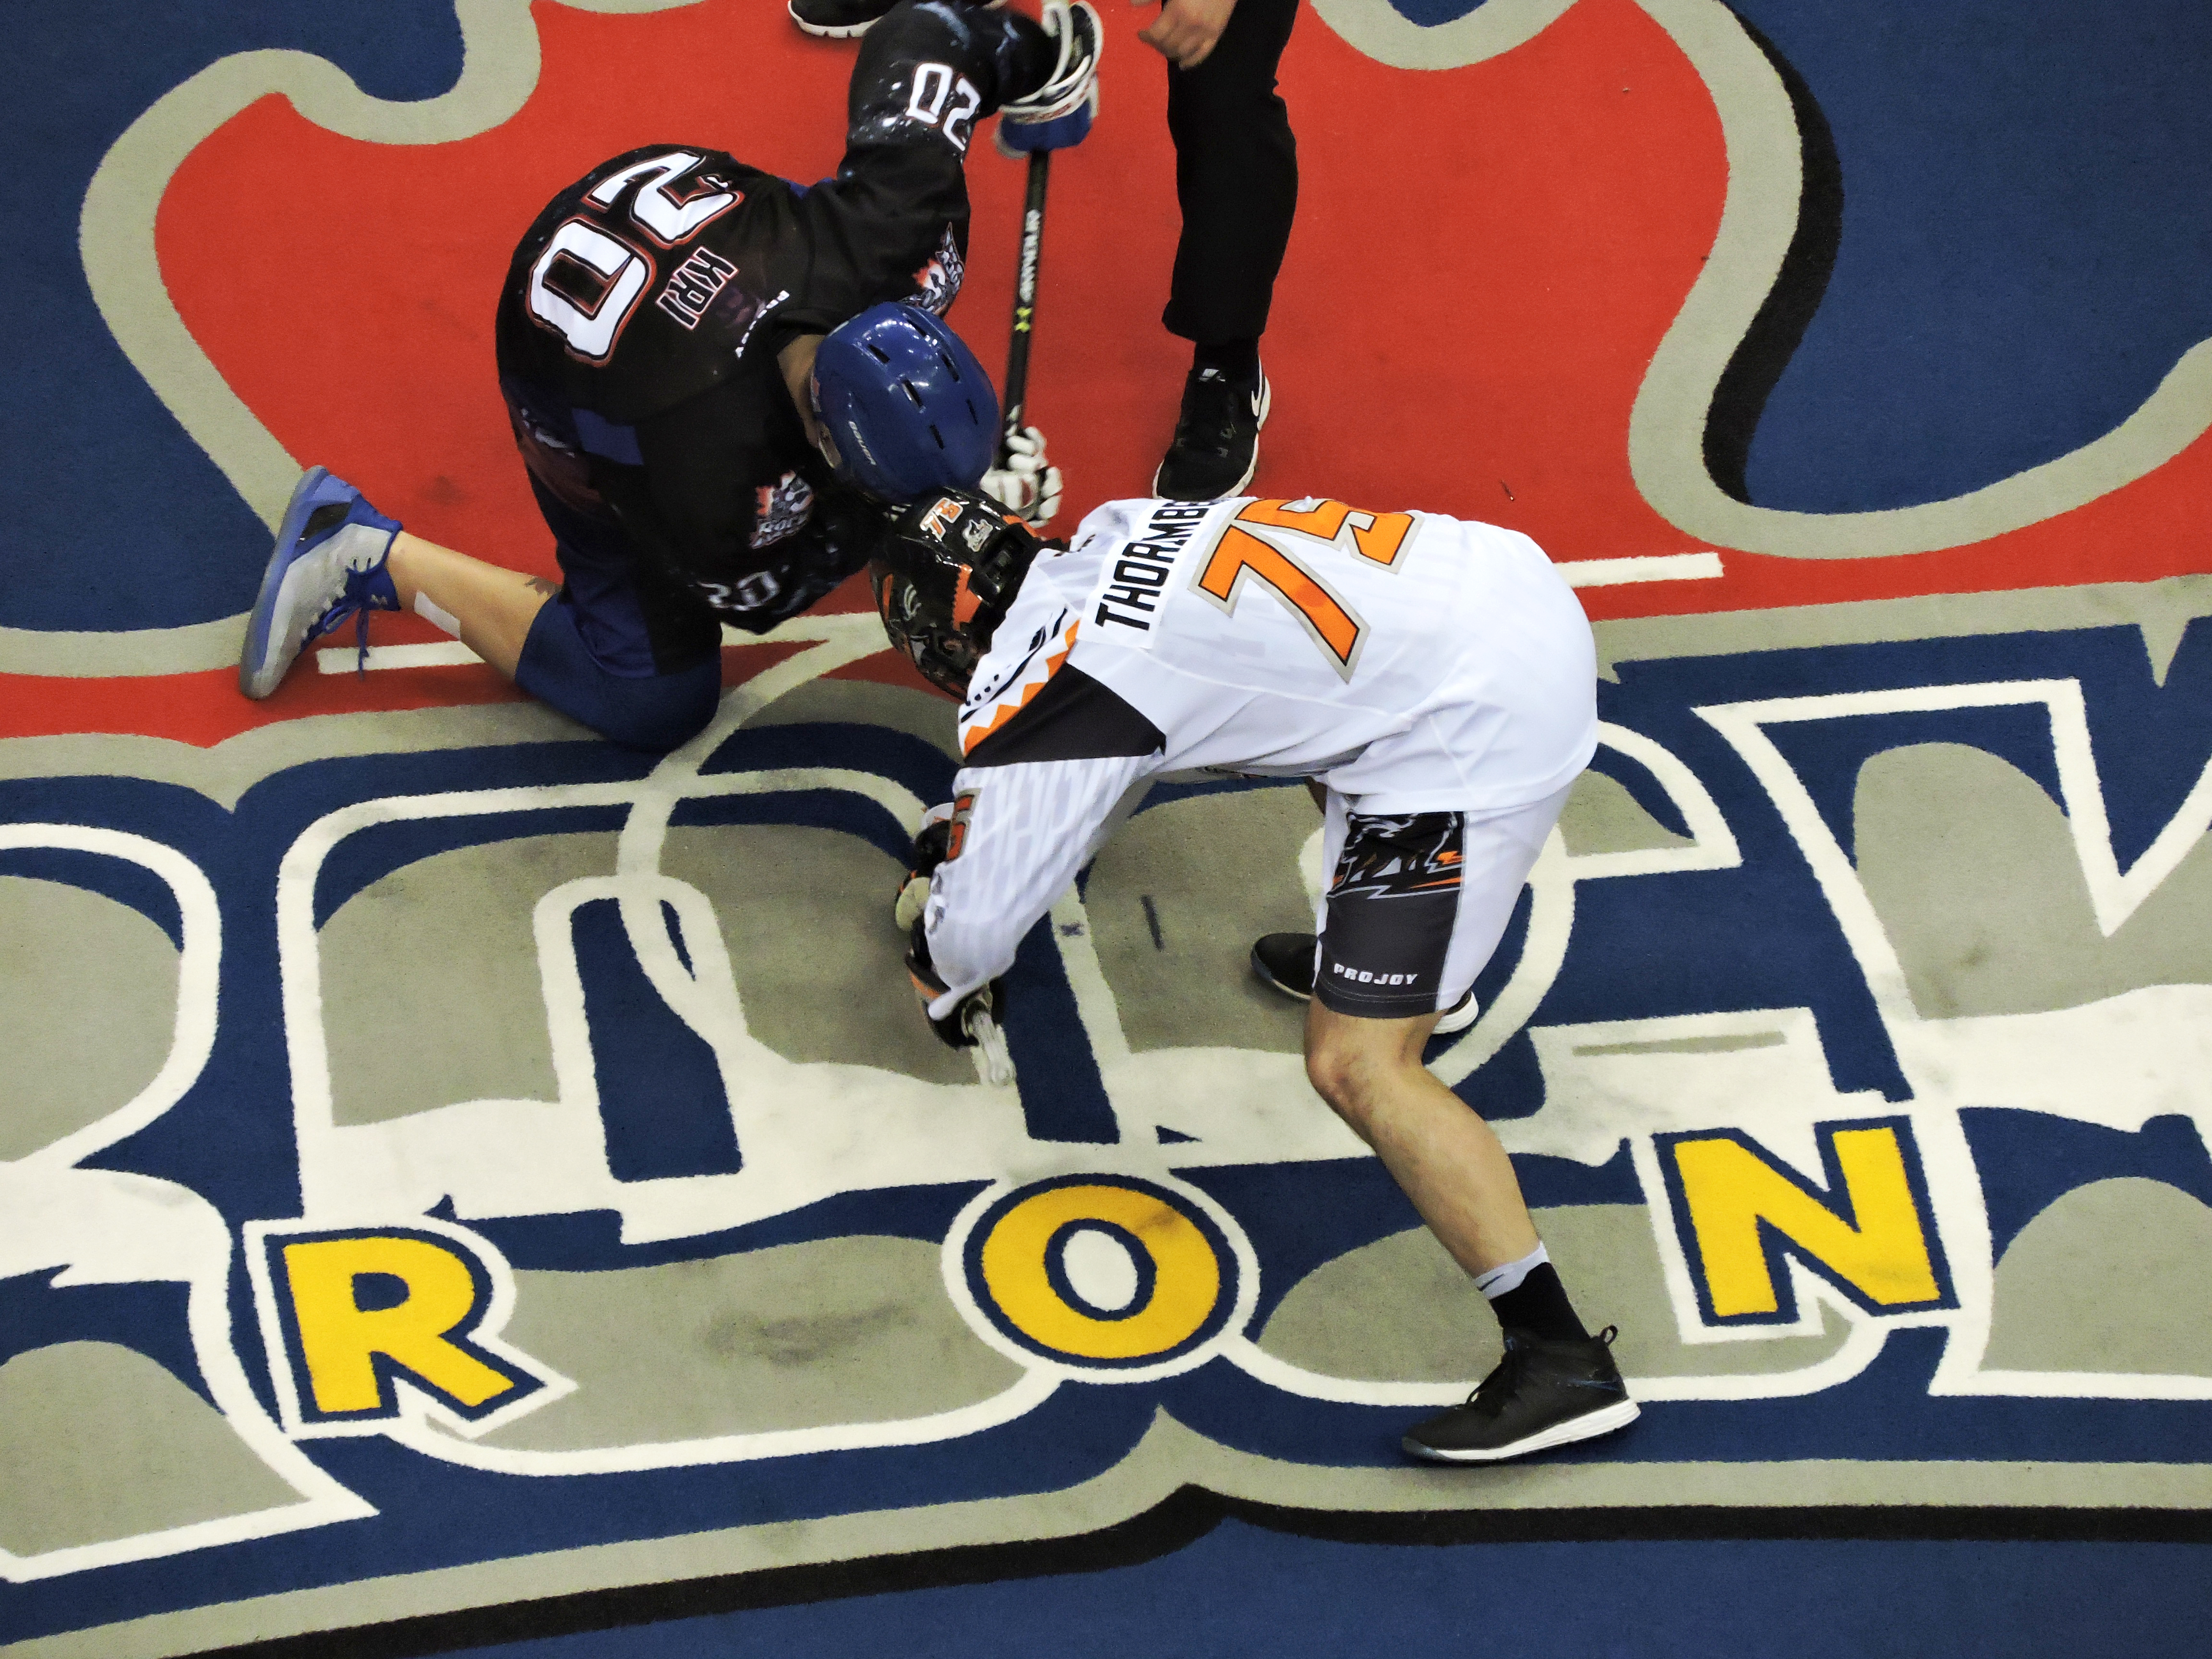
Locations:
655 336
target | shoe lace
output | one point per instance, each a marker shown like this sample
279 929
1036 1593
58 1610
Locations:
1208 419
359 598
1491 1394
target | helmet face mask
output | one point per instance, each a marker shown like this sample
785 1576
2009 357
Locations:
945 575
941 650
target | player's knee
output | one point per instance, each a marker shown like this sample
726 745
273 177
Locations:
655 713
655 728
1347 1071
1361 1065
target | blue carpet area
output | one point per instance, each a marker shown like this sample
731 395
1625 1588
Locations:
1242 1590
2007 285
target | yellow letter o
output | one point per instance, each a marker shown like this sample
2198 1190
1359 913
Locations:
1017 1268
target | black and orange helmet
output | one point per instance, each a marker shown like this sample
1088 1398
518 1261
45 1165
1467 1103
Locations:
944 578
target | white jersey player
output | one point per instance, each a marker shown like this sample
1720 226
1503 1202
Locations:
1435 679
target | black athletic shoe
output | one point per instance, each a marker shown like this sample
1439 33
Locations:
1542 1394
1216 437
1284 963
837 20
849 20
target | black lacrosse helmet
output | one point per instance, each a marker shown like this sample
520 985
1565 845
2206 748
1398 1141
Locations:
945 575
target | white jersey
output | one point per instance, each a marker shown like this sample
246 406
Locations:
1410 662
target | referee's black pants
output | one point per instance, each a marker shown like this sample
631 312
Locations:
1236 177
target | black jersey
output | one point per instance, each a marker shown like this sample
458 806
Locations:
643 310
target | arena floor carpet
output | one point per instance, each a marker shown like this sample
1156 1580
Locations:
1854 1039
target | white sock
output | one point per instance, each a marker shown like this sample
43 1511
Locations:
1498 1281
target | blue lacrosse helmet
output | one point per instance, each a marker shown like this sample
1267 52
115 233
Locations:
905 408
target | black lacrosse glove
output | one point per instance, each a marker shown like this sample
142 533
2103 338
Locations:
932 845
951 1030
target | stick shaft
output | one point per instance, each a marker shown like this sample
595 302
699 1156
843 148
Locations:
1025 292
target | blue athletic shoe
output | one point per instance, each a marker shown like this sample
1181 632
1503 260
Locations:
328 566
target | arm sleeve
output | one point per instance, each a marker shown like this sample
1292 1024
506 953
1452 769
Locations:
1027 830
732 508
838 540
926 74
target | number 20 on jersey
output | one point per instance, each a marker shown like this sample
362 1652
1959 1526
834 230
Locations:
588 281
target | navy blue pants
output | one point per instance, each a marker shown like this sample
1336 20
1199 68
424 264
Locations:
643 674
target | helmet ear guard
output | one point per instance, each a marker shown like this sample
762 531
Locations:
945 575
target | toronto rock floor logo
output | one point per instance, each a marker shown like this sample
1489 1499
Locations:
486 1146
541 1139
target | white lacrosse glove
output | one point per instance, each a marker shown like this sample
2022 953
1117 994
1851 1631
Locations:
1025 486
1058 114
932 845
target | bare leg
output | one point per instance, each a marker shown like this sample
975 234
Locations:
493 605
1446 1158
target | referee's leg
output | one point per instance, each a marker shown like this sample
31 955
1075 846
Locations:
1236 177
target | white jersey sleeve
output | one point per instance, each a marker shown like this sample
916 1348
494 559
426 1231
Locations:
1021 832
1050 754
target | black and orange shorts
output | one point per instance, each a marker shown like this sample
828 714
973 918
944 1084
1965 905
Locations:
1418 903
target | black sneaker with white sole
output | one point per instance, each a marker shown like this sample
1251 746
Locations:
837 20
1542 1394
1284 963
1216 437
847 20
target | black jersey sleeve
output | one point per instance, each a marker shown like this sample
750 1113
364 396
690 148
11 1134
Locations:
729 506
893 223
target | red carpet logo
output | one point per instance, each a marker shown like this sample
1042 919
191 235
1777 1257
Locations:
1567 264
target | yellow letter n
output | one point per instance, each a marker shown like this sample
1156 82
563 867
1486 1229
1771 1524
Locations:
1739 1212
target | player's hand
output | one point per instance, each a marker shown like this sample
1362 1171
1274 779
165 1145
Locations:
963 1027
973 1023
1186 31
1058 115
1023 482
932 845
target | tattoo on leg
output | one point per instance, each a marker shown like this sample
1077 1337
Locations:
540 585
